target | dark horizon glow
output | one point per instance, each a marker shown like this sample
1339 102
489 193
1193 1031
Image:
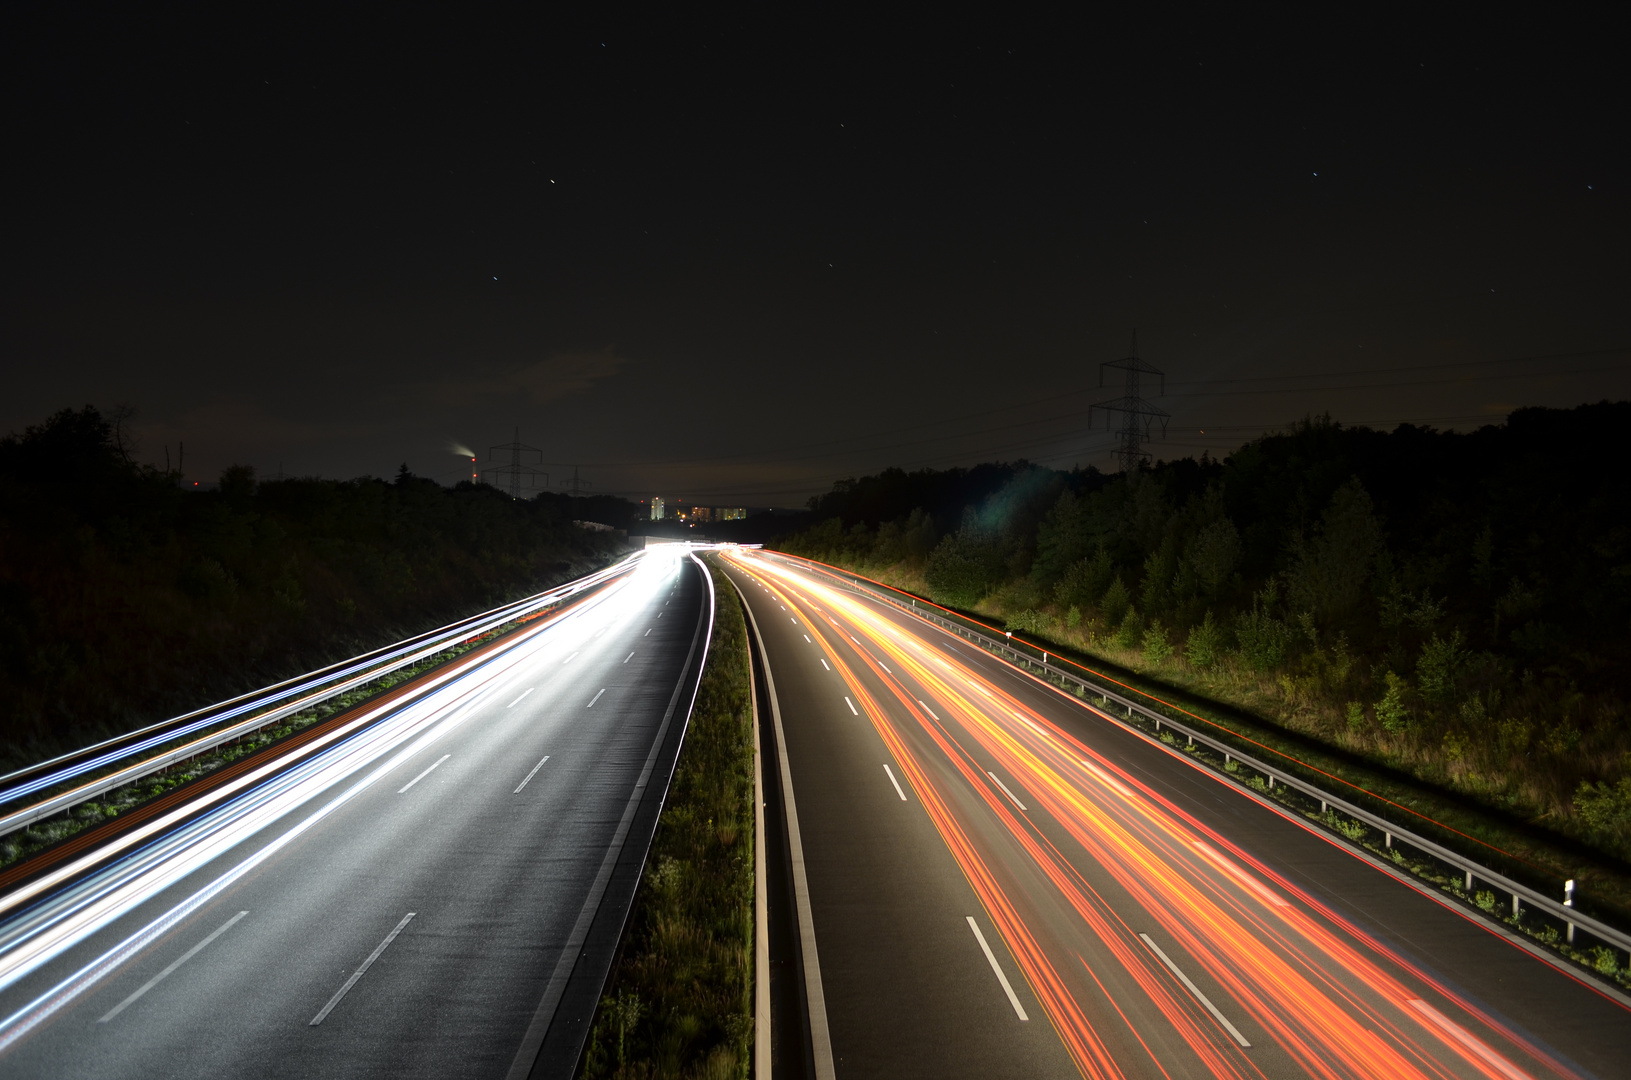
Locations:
742 258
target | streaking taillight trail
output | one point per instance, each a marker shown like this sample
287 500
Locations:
1113 853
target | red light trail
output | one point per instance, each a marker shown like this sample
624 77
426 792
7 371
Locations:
1097 858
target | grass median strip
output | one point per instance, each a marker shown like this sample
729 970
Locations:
680 997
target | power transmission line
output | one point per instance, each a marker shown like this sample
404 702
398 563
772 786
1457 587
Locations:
1137 415
575 485
515 470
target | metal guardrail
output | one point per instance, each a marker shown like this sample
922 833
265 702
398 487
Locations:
323 684
1523 896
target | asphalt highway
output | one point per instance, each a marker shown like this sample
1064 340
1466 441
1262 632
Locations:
1003 882
435 894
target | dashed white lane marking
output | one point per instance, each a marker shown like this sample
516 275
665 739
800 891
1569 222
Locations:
596 698
928 710
517 701
629 657
569 659
851 705
1013 999
825 664
647 633
892 780
530 775
1005 790
422 775
360 972
807 638
1193 989
161 976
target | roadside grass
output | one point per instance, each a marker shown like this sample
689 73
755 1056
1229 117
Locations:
24 843
679 1001
1605 887
1536 850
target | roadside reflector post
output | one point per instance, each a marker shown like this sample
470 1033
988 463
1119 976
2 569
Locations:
1389 839
1568 901
1469 881
1516 910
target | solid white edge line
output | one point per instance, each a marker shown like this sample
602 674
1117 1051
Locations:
526 1055
991 958
851 705
820 1034
160 977
892 780
517 701
761 914
596 698
1005 790
360 972
1468 1040
530 775
422 775
1193 989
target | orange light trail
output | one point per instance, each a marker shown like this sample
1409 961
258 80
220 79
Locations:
1337 1002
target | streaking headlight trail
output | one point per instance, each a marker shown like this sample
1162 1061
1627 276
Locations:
51 915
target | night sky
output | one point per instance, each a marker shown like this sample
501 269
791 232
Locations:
734 258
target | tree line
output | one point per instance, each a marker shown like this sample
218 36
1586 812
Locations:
1458 605
125 598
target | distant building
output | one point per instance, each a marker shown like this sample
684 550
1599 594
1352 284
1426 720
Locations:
657 508
732 513
702 513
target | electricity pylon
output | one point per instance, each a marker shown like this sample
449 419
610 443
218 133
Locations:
515 470
1137 415
575 485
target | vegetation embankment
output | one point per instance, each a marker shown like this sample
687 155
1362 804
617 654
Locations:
18 846
1452 610
125 599
679 1001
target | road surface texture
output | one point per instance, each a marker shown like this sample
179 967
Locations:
400 904
1003 883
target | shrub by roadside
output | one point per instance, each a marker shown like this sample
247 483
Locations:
680 998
